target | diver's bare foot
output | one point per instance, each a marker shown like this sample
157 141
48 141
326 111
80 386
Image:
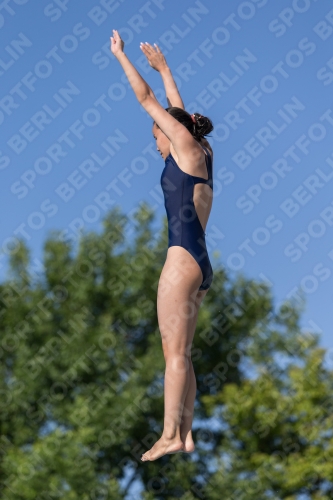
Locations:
187 439
186 449
189 445
163 447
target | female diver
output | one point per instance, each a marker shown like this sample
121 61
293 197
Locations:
187 184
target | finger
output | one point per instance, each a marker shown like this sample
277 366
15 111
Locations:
144 49
149 48
146 52
157 48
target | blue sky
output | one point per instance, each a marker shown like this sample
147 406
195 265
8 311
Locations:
75 142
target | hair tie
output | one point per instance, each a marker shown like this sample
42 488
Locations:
193 119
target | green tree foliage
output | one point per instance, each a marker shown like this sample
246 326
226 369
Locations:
82 380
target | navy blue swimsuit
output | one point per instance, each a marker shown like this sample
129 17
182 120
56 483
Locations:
184 227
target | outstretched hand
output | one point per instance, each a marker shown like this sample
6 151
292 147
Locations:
154 55
117 44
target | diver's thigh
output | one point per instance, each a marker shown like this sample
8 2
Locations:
176 296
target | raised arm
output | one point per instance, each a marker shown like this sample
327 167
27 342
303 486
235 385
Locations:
117 48
181 139
158 62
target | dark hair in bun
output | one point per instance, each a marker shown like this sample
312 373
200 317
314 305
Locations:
203 125
196 124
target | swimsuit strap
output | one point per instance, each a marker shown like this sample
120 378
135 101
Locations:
208 161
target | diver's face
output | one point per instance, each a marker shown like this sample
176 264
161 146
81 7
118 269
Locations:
162 142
